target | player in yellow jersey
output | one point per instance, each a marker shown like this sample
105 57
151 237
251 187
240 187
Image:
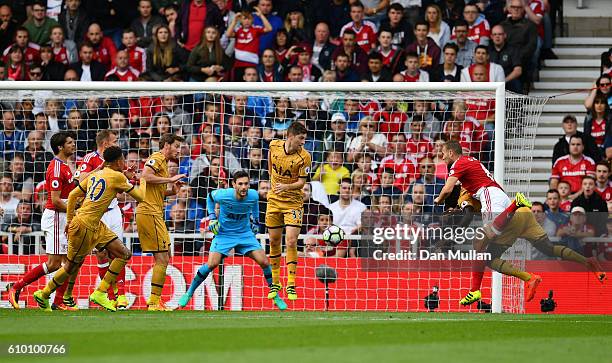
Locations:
522 224
289 166
152 231
85 230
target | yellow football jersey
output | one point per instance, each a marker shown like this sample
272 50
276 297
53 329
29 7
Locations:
286 169
100 188
153 203
466 199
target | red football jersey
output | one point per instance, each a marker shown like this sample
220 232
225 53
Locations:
419 148
388 57
598 131
565 170
128 75
605 193
138 58
61 55
365 36
419 77
90 162
405 170
391 122
476 31
472 174
480 109
565 205
31 53
474 135
369 107
105 52
537 6
58 177
247 46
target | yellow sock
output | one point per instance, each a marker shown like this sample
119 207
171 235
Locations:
111 274
292 260
70 287
507 268
56 281
275 256
567 253
157 283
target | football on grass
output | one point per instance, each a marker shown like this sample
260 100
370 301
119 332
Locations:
333 235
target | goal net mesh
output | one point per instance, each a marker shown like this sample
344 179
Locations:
387 143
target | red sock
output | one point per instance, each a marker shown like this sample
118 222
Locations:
31 276
59 293
477 274
121 282
504 217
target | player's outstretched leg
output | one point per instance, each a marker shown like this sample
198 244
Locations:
545 246
199 278
502 219
42 296
14 290
531 280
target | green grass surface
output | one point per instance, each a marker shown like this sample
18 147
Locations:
190 336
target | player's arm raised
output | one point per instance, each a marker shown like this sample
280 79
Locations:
446 190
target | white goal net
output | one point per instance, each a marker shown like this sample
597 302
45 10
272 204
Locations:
383 140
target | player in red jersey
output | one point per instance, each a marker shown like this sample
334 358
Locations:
58 183
112 218
572 167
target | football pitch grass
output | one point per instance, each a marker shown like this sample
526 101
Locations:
270 337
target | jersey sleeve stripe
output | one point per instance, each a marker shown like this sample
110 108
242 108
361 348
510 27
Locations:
81 187
129 190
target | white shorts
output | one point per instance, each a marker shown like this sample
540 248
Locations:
493 201
53 224
114 221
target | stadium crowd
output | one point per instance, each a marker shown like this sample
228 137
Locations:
369 156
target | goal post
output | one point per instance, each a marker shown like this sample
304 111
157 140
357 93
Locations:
499 129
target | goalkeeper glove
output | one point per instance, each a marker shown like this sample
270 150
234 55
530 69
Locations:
214 224
255 226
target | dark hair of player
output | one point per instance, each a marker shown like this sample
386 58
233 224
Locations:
294 129
455 146
169 139
112 154
59 139
104 135
239 174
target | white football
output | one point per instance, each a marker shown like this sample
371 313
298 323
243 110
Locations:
333 235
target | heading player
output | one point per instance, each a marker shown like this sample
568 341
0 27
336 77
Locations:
112 218
289 166
152 231
85 230
58 184
234 228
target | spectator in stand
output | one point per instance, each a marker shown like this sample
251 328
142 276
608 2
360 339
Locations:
180 224
8 202
122 71
160 126
360 190
147 21
390 54
573 232
11 139
211 178
247 40
357 58
365 30
433 185
112 16
302 56
281 45
137 55
594 205
466 46
347 211
399 26
427 51
295 25
478 27
603 185
549 226
439 31
281 116
269 70
450 70
87 68
376 71
508 57
263 188
179 119
495 73
403 167
452 11
207 61
256 166
598 122
337 139
36 158
39 25
431 125
75 20
412 73
20 224
522 35
104 50
194 210
96 117
572 167
51 70
570 128
312 208
84 138
554 214
369 140
64 50
423 205
240 107
23 184
418 145
210 149
322 49
565 192
332 172
16 67
438 157
41 124
8 26
118 122
165 59
276 22
602 86
391 119
22 40
195 15
344 72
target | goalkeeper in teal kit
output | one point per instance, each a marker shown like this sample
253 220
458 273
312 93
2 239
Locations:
234 228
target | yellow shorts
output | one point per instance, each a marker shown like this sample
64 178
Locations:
280 217
522 225
81 240
152 233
